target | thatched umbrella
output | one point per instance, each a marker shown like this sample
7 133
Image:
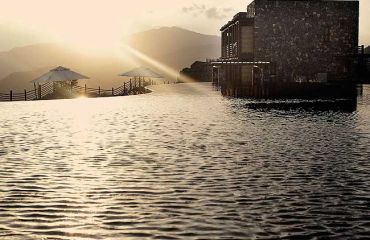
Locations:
59 76
141 72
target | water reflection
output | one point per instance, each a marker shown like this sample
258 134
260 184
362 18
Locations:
344 105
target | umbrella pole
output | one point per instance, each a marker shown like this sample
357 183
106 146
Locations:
34 86
39 89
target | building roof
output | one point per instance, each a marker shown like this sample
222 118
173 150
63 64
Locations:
141 72
312 0
241 16
59 74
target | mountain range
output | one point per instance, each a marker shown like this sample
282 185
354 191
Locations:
175 47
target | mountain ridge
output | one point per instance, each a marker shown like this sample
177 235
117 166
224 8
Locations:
173 46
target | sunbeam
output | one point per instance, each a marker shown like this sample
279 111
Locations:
172 73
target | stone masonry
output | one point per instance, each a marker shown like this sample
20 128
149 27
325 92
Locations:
305 38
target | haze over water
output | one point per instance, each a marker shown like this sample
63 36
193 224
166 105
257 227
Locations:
182 163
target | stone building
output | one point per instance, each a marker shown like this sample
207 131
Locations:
289 41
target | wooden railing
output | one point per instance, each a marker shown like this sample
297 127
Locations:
48 91
12 96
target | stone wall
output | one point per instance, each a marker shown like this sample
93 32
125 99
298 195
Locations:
303 38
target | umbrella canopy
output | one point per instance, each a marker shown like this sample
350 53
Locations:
141 72
59 74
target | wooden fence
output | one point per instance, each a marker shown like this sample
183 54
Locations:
48 91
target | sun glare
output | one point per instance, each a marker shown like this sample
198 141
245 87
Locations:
82 97
172 73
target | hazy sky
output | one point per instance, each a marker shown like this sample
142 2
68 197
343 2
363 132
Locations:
98 23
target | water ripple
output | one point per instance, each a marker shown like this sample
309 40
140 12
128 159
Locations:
183 163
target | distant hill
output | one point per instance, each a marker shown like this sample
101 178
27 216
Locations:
33 57
173 46
20 80
176 47
12 36
21 65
